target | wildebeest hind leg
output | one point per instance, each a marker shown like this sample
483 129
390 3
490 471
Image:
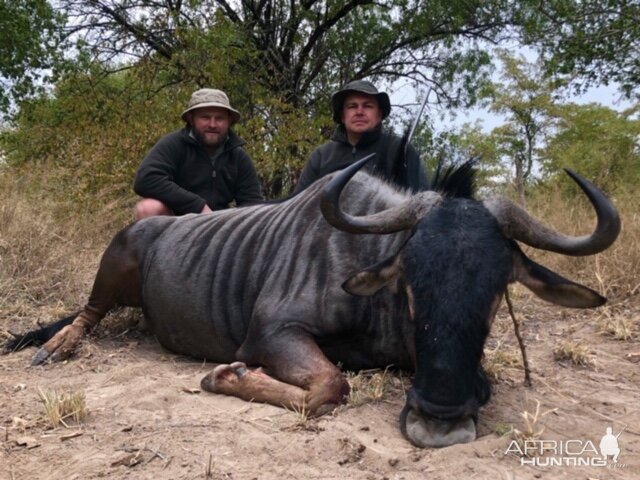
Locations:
117 283
305 380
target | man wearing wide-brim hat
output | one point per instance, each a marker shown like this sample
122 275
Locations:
201 167
359 109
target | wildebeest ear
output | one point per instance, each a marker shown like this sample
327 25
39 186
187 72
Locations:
552 287
368 281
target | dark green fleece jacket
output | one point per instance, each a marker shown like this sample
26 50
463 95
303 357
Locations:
338 153
180 173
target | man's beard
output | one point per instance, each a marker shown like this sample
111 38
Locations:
208 141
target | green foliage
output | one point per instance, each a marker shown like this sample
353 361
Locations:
453 147
526 99
598 142
279 139
91 135
217 54
29 39
422 41
279 65
301 51
92 132
588 41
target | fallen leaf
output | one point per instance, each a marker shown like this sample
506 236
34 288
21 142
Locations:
633 357
130 460
190 390
17 422
28 442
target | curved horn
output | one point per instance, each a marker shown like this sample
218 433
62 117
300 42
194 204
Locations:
394 219
517 224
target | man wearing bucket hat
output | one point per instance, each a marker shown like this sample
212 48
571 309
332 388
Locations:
359 109
199 168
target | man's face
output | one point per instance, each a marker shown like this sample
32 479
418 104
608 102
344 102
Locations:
360 113
210 125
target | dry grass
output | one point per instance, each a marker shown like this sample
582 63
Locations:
498 361
532 428
372 386
300 417
503 429
620 325
61 407
613 272
49 247
575 352
47 261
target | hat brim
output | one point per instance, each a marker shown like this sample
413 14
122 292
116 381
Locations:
337 102
234 114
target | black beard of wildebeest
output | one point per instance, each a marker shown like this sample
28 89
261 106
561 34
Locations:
351 270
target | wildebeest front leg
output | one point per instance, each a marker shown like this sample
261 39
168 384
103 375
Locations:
305 379
117 283
253 385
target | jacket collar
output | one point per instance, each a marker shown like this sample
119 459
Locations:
367 138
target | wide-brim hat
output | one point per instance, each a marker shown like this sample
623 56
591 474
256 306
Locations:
359 86
210 97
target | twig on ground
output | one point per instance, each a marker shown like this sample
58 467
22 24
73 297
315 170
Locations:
516 327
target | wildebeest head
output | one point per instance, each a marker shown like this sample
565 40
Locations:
454 270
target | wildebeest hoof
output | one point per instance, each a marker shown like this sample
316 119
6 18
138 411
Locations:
61 346
224 377
431 432
40 357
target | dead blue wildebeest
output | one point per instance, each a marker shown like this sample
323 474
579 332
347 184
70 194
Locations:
351 270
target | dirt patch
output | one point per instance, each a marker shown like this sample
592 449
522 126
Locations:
148 418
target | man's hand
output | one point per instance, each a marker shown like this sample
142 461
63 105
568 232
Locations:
206 209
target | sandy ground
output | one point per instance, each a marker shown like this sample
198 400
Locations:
148 420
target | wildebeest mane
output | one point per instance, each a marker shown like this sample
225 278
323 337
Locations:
455 180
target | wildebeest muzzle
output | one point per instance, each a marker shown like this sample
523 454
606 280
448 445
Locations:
427 424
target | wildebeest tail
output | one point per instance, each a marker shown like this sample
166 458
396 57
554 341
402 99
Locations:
37 337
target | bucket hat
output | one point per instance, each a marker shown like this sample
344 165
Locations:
359 86
210 97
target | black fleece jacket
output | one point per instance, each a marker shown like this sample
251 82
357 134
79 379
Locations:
338 153
180 173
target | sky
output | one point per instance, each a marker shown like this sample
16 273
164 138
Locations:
607 96
403 93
